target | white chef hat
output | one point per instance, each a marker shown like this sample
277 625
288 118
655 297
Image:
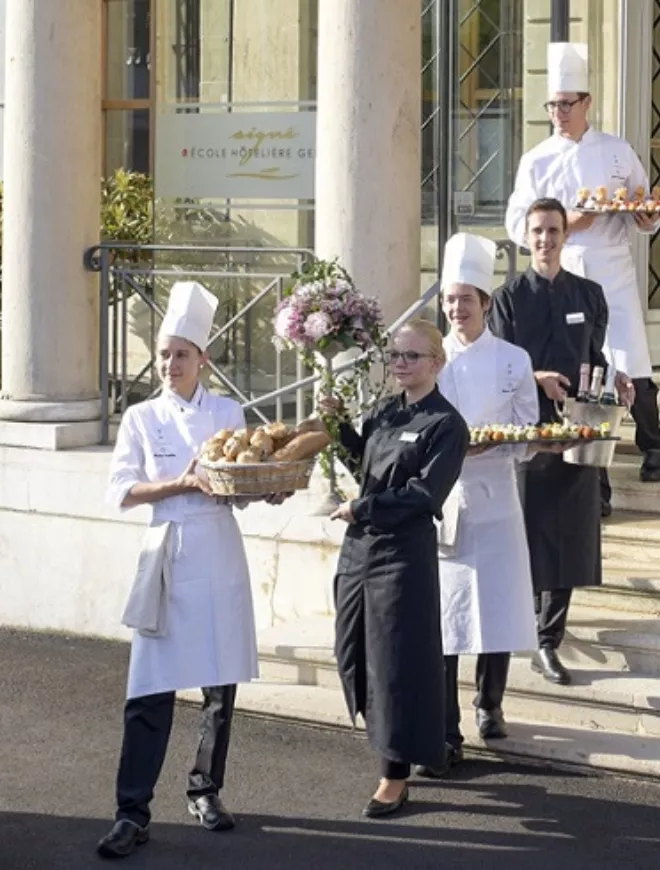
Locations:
568 67
190 311
470 260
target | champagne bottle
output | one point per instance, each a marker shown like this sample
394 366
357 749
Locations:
596 384
583 388
609 396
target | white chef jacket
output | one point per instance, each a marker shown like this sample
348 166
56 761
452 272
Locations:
558 167
485 583
210 638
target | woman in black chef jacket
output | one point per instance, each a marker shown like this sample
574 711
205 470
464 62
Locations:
388 643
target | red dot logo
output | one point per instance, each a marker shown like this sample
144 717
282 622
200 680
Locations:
184 153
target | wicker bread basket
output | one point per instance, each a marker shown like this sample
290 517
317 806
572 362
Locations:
260 478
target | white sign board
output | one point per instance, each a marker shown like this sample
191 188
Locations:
236 155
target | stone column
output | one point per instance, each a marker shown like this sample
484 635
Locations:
52 168
368 163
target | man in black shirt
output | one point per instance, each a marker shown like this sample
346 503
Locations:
560 319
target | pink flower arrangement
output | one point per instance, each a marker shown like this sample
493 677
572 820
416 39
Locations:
323 310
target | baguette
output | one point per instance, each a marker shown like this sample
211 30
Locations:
303 447
312 424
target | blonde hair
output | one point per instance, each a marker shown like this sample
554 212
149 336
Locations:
431 333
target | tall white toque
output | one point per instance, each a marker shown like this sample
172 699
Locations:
568 68
190 312
470 260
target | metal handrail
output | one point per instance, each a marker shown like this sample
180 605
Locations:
98 259
115 262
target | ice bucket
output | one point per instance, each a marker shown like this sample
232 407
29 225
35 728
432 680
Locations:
595 453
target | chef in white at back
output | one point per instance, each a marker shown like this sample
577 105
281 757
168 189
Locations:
485 578
598 246
201 633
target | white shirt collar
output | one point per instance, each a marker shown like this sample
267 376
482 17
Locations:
456 346
195 402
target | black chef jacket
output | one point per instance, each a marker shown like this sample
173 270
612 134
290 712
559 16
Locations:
561 324
387 594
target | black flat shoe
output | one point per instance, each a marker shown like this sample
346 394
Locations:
376 809
491 724
454 758
123 839
546 662
210 813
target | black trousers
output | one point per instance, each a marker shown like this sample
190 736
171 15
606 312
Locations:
551 609
394 769
491 675
147 726
645 414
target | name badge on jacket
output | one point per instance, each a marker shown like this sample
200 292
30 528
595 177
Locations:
409 437
575 317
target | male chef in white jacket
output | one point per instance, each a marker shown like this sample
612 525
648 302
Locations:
485 574
598 247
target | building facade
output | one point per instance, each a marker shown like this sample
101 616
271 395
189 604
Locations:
486 58
356 129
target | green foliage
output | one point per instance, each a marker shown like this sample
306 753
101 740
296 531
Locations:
127 208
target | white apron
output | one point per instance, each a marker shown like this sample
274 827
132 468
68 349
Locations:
614 270
210 638
486 584
559 167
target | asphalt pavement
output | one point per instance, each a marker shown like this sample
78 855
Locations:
297 790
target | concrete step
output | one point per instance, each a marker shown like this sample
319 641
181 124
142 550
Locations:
631 545
606 719
622 593
600 696
628 492
540 740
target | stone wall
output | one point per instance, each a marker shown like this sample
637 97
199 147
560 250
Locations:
67 560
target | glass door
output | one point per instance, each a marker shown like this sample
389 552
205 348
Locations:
472 62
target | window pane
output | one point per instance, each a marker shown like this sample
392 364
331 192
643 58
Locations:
127 140
127 50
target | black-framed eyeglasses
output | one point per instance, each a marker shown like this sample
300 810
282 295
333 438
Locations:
563 106
407 356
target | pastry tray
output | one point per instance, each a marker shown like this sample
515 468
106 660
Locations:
609 210
571 442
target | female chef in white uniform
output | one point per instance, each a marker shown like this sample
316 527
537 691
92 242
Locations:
485 578
208 639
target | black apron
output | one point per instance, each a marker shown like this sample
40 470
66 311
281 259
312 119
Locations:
561 503
388 635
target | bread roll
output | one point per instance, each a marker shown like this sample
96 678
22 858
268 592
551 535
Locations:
277 431
303 447
223 435
214 452
248 457
262 443
244 435
232 448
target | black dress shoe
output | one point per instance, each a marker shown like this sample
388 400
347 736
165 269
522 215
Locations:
491 724
605 509
546 662
376 809
650 470
210 813
454 757
124 837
